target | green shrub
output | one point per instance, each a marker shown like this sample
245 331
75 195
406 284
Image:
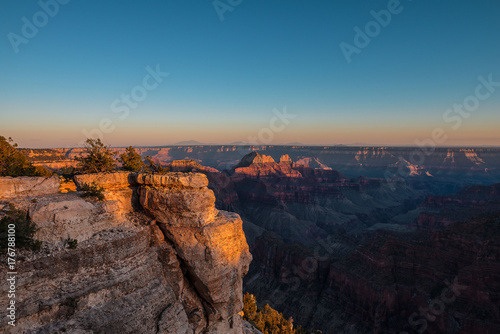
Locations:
72 243
93 190
131 160
268 320
24 229
97 158
15 163
67 172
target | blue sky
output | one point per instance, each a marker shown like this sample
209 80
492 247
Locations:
226 76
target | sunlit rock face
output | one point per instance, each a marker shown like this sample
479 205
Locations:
256 165
211 243
24 186
183 202
174 265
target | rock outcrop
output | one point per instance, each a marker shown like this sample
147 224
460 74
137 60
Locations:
204 238
11 187
257 165
254 158
188 165
154 257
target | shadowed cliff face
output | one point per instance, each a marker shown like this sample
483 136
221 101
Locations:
350 255
438 212
154 257
371 277
447 283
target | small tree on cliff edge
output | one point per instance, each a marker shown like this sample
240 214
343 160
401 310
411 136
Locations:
96 158
249 306
131 160
14 163
153 167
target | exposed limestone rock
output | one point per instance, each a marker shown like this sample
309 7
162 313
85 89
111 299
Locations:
218 250
187 180
120 189
249 329
108 181
11 187
181 273
211 245
61 217
173 318
178 198
109 284
186 207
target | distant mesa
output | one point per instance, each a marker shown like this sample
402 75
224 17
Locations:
312 163
285 158
189 165
411 169
254 158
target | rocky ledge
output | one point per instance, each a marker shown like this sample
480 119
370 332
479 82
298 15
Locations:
11 187
154 257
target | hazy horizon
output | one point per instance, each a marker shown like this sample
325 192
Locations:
355 145
147 73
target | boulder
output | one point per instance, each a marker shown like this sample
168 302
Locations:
179 207
185 180
24 186
108 181
64 217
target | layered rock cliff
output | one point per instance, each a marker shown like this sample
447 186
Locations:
452 166
437 212
154 257
448 283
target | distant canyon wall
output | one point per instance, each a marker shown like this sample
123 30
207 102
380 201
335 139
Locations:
474 165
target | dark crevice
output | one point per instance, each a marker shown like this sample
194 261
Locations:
188 275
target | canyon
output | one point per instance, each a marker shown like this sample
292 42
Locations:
343 239
423 165
364 255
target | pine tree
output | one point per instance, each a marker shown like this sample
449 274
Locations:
131 160
14 163
97 158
